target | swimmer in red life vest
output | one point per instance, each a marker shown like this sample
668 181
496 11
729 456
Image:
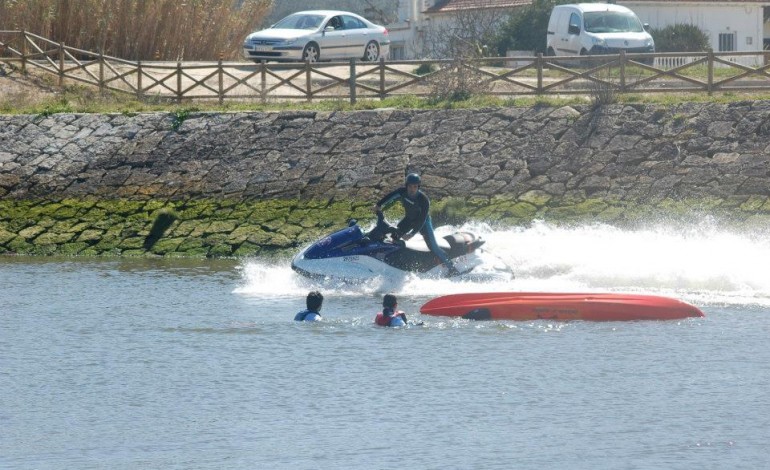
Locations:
389 315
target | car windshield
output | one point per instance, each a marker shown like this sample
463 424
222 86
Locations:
612 22
299 21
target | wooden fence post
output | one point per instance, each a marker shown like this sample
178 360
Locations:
178 82
382 78
139 72
308 81
710 85
539 64
263 82
101 72
23 51
61 64
622 71
221 81
352 81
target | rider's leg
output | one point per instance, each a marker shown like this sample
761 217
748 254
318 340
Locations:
430 240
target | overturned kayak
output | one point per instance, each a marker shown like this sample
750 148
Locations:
559 306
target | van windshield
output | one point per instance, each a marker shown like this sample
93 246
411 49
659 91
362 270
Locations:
612 22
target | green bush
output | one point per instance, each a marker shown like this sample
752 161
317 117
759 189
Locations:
526 29
680 38
425 69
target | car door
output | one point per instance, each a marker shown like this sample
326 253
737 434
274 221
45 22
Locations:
358 36
334 40
572 44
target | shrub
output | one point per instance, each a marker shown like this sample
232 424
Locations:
680 38
526 29
425 69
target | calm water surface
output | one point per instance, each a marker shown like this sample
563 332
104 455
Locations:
162 364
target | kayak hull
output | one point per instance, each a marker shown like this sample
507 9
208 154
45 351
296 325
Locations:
559 306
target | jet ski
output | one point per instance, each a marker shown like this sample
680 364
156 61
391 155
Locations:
353 255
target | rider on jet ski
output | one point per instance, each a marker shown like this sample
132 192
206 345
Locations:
417 217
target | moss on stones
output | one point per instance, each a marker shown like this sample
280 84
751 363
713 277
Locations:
6 236
31 232
536 197
44 250
167 245
754 204
90 236
131 243
221 226
247 249
53 238
220 250
209 228
583 210
71 249
20 246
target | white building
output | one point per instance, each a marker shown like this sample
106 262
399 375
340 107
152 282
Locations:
736 25
732 25
416 17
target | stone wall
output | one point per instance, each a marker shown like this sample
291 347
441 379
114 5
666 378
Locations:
508 164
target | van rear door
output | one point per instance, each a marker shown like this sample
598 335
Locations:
554 32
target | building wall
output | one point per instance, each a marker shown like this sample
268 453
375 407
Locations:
744 21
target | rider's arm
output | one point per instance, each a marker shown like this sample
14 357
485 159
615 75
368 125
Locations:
389 199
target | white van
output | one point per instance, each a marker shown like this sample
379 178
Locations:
596 28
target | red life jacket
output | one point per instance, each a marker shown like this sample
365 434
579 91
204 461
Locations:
383 320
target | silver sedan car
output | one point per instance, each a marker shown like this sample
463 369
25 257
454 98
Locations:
318 35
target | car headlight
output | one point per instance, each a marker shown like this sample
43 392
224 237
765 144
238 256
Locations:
599 42
287 42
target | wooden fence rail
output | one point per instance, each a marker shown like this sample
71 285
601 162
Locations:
706 72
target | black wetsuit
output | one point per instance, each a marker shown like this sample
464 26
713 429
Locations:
416 219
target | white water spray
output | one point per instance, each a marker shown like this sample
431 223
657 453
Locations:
701 264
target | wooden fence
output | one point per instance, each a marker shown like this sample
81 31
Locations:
706 72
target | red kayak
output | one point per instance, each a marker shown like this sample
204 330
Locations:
559 306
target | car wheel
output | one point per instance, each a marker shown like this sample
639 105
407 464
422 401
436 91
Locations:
311 53
372 52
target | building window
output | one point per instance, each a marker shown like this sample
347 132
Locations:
397 52
727 42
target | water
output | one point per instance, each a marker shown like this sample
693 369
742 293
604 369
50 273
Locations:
163 364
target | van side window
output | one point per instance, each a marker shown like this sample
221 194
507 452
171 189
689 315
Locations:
574 24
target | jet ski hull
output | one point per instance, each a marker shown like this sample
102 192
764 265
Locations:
350 255
559 306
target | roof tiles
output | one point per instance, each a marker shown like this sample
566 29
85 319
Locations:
447 6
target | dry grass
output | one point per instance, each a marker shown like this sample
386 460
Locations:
141 29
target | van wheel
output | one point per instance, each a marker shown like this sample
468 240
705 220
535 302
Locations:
550 52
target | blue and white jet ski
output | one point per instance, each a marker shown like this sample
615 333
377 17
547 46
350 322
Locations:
355 256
